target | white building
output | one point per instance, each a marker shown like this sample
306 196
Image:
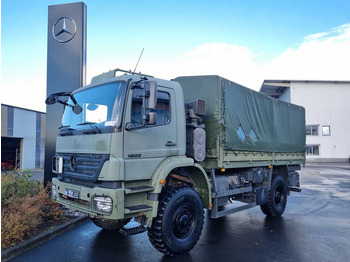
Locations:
22 138
327 105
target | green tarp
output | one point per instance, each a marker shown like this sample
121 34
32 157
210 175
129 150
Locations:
243 119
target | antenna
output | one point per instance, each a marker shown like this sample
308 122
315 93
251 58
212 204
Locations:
138 60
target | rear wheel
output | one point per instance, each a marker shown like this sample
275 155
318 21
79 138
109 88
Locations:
109 224
277 198
179 222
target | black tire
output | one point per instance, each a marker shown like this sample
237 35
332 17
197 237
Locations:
179 221
277 198
109 224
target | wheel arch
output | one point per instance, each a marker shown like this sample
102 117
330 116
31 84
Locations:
193 171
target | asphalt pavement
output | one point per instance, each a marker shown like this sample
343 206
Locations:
314 227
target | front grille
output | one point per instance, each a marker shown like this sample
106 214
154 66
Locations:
83 167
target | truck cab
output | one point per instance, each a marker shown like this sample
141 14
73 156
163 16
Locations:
108 152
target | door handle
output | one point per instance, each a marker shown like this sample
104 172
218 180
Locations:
170 143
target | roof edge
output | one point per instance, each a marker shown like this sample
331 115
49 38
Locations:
22 108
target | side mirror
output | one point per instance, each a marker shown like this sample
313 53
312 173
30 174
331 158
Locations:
52 99
151 118
151 94
77 109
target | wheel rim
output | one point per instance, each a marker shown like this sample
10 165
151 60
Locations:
183 221
279 196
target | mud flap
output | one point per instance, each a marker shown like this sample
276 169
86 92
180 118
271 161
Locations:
261 195
294 179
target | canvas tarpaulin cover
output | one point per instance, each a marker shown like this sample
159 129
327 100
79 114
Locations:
243 119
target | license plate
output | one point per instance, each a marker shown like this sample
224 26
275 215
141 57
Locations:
71 193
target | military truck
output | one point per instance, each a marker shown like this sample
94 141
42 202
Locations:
135 146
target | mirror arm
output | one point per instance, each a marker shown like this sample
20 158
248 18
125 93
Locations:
64 103
73 99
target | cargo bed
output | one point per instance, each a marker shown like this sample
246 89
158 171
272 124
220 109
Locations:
246 128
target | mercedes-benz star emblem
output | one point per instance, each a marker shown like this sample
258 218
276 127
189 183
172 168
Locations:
73 163
64 29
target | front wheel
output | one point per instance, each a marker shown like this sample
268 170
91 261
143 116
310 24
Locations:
277 198
179 221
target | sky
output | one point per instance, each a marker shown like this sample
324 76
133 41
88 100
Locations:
244 41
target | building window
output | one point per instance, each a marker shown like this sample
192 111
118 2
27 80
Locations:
326 130
313 150
38 140
312 130
10 117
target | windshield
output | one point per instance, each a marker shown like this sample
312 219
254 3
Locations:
101 106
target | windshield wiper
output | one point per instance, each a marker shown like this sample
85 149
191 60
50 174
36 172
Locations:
66 130
92 124
68 127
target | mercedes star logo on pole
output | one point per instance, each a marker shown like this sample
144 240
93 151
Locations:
64 29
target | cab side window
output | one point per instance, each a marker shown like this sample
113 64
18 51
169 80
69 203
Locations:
162 110
136 114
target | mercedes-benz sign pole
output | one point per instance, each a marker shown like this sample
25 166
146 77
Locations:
66 59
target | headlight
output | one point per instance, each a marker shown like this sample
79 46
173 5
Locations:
60 165
103 204
57 165
53 192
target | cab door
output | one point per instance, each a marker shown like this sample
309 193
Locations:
146 147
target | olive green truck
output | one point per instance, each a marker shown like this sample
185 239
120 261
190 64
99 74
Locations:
158 151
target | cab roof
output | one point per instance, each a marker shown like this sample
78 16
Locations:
110 76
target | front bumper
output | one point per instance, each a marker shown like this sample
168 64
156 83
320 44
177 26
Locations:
84 202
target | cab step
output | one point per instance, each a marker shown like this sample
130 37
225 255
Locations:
136 209
132 231
295 189
138 189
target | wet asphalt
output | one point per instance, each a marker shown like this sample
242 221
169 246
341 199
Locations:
314 227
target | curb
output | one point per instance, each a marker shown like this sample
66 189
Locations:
29 244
